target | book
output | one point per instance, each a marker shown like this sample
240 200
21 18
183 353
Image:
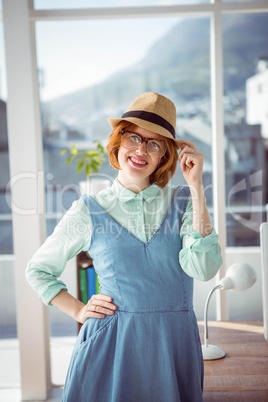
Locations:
97 284
91 282
83 285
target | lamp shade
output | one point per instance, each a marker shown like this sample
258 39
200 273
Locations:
239 277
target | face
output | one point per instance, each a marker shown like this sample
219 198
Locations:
137 164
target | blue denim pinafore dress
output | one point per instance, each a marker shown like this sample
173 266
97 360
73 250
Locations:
149 350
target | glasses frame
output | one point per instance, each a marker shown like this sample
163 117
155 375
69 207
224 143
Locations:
146 140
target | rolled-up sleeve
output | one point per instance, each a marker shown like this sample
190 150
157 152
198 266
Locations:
200 257
71 235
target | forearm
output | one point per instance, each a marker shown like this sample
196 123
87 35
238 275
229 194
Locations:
65 302
201 219
97 307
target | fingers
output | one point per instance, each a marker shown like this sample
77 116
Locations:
189 156
190 149
188 143
99 306
186 156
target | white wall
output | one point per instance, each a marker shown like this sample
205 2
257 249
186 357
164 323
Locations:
244 305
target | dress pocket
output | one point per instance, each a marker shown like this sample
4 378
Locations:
93 327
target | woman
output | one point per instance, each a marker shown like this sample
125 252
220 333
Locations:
139 341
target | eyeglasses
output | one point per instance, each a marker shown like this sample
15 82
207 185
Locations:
156 148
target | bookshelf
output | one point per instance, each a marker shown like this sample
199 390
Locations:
87 279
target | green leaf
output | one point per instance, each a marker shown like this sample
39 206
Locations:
88 170
100 148
91 159
92 153
98 162
69 160
80 166
94 166
73 151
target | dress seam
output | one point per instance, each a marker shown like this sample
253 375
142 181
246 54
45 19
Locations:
183 310
119 290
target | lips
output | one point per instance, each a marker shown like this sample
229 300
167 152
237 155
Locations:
138 162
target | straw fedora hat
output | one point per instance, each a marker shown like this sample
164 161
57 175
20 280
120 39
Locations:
153 112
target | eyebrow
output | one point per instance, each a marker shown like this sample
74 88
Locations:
149 139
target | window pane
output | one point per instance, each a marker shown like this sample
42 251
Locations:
245 108
87 76
89 71
6 243
6 240
64 4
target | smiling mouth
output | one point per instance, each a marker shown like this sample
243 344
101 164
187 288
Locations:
137 161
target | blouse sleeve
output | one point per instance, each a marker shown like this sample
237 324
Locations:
71 235
200 257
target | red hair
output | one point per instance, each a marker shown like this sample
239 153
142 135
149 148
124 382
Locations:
167 166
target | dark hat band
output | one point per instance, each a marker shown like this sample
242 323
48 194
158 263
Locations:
152 118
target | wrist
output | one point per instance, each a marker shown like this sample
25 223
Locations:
76 310
197 191
68 304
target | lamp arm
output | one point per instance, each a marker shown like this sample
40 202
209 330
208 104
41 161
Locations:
206 313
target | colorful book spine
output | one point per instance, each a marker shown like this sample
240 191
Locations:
97 284
91 282
83 285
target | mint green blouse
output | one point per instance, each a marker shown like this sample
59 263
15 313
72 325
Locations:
141 214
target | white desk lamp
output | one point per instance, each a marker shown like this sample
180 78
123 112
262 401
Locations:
239 277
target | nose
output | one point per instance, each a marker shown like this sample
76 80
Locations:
142 150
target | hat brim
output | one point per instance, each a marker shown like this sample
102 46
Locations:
147 125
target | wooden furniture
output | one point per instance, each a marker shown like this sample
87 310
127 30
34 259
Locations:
242 375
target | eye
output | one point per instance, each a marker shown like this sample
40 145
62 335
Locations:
134 138
155 145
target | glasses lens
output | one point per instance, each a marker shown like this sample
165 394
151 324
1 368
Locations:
156 148
131 140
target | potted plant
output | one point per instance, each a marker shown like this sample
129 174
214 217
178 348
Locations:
90 160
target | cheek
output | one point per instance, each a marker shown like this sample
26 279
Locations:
156 162
121 155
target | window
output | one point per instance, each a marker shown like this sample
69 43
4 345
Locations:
6 244
90 73
245 108
84 80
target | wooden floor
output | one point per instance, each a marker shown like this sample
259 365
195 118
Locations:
242 375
